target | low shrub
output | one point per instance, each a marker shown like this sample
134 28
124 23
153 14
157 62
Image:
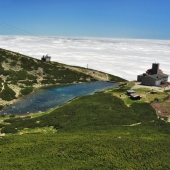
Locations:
26 90
1 107
7 94
9 129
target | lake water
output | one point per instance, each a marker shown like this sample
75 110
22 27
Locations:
49 97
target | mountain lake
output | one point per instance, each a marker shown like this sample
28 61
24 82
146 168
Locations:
45 98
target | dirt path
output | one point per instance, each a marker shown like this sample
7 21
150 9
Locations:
138 85
93 73
162 108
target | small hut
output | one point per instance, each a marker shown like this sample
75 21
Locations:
133 95
46 58
129 92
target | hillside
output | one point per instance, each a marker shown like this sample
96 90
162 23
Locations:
20 74
106 130
98 131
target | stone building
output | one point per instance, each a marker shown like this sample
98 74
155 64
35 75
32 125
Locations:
153 76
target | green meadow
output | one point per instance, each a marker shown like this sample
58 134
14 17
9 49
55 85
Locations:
98 131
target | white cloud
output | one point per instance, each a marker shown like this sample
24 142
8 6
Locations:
122 57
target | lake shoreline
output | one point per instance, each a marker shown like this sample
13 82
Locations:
67 97
6 103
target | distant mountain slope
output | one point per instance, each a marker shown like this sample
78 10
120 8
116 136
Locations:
20 74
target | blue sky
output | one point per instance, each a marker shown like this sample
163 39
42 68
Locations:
144 19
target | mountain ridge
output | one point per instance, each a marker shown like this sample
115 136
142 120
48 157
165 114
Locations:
21 74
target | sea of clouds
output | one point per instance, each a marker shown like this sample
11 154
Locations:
121 57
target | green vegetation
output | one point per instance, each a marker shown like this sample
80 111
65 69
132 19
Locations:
92 132
84 151
106 130
19 75
1 107
145 93
7 93
26 72
26 90
89 113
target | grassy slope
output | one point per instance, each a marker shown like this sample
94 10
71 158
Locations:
19 74
85 151
93 132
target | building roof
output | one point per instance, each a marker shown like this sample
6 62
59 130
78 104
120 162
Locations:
134 95
149 71
158 76
130 91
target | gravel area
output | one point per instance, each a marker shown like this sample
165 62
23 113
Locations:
138 85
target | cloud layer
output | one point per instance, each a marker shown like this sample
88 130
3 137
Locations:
122 57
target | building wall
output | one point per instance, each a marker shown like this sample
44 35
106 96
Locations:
139 78
154 78
155 68
48 58
148 81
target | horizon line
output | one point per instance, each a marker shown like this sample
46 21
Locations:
84 37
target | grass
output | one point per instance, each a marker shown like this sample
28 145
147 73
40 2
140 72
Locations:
26 73
91 132
72 151
4 117
42 130
161 96
94 112
34 115
88 113
145 93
